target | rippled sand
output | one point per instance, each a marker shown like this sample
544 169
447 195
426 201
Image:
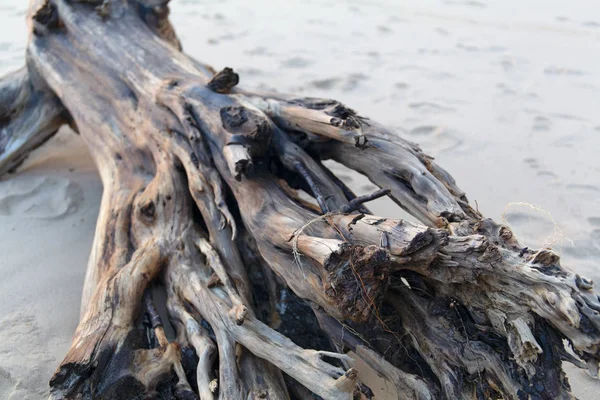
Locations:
503 94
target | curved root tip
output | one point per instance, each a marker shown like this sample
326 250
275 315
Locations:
570 358
347 382
213 386
238 313
227 219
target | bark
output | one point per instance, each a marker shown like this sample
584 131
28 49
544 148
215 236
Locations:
268 289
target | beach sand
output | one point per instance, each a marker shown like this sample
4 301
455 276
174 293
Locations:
503 95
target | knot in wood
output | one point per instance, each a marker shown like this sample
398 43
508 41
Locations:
545 258
148 212
249 128
103 10
450 216
46 18
548 263
491 254
224 81
583 283
345 117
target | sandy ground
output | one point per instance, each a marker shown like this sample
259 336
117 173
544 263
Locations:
503 94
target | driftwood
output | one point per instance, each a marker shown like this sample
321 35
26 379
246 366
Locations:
273 269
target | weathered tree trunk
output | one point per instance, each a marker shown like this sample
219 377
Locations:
202 186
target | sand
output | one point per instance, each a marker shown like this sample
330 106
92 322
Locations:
503 94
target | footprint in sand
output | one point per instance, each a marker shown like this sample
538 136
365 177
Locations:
564 71
424 130
40 197
541 124
594 221
586 191
437 139
427 107
297 62
547 174
532 162
346 83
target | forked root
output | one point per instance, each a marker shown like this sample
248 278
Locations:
238 310
196 338
262 341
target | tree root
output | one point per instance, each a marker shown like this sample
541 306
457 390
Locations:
220 197
29 115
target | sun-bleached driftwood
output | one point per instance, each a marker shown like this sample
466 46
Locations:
268 288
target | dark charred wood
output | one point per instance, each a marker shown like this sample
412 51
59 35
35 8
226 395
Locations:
223 81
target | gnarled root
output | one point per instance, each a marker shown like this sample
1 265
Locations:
29 115
220 196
